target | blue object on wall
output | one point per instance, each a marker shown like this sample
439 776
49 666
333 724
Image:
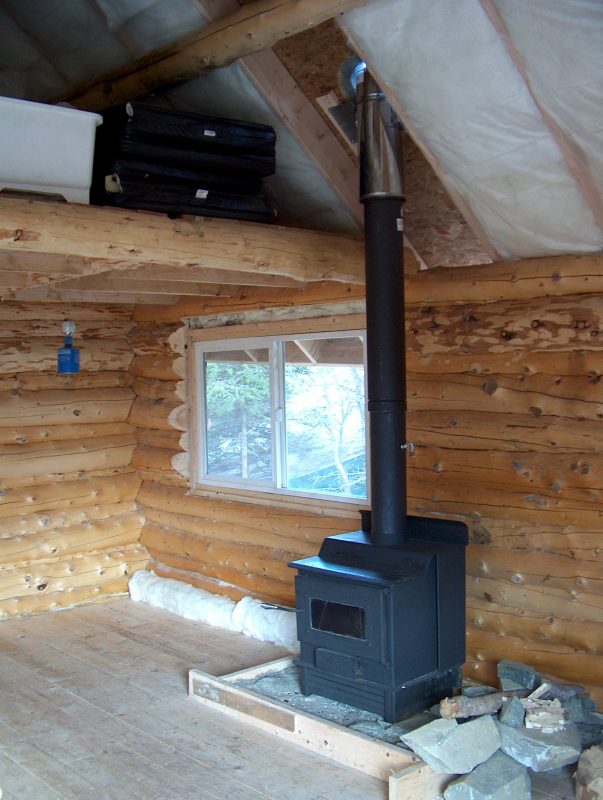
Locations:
68 356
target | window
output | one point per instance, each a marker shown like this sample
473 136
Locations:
282 414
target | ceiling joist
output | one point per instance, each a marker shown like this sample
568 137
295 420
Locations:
99 240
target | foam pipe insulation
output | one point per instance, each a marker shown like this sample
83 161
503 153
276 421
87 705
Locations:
248 616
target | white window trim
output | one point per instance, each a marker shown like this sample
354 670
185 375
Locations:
222 338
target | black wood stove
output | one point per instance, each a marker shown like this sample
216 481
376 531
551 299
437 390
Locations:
381 611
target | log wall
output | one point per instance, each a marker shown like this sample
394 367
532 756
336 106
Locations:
505 396
69 522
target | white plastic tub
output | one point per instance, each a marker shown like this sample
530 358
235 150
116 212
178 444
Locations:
46 148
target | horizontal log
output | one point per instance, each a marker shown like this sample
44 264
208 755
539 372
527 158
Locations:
573 476
44 521
69 495
557 570
115 532
53 574
244 558
49 328
154 389
34 482
457 499
258 585
84 313
157 459
533 626
251 299
58 407
519 535
218 530
36 381
169 440
552 276
41 354
152 413
42 458
509 362
566 323
111 238
537 395
577 605
465 430
60 583
159 367
296 524
30 434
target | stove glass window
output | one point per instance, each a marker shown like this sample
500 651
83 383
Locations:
338 618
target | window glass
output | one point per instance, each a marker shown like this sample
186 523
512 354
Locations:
325 421
237 414
284 414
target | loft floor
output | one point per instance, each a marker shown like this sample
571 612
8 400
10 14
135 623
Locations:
94 704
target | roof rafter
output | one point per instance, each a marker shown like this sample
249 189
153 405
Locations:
251 28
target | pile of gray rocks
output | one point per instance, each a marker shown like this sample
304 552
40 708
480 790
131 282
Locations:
495 738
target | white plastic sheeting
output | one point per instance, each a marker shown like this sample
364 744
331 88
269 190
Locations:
463 97
248 616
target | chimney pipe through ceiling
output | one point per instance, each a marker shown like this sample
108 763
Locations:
382 194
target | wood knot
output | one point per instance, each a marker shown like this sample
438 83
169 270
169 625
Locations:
490 386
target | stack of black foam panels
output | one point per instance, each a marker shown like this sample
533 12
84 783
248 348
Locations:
182 163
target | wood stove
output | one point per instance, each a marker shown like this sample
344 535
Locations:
381 611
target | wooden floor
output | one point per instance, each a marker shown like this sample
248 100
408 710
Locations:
94 704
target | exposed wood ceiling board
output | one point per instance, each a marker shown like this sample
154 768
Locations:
433 223
248 30
122 240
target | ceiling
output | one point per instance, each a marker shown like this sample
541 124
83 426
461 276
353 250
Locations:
500 98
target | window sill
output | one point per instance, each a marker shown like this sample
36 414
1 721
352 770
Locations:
311 505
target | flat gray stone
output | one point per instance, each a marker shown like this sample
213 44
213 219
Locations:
449 747
498 778
478 690
590 735
541 751
512 713
521 675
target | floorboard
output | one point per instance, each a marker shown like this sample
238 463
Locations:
94 704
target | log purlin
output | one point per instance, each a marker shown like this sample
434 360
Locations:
69 523
505 401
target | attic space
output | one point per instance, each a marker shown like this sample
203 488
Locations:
301 311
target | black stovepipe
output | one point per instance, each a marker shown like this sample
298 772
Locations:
382 194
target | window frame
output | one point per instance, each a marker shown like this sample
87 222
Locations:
262 334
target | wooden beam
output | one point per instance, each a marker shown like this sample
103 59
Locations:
309 128
298 113
106 283
49 294
108 238
254 27
177 275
